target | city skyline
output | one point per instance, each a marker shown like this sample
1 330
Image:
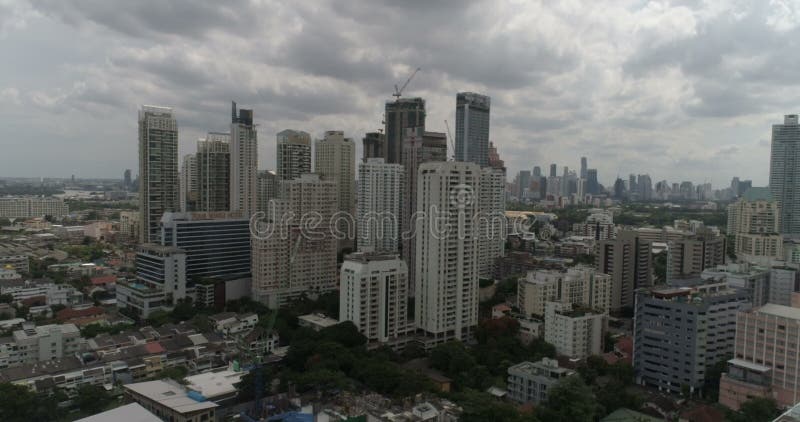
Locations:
708 119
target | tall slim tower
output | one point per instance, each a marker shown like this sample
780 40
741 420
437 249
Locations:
213 172
784 173
335 160
472 128
447 242
401 114
158 168
584 168
244 161
188 183
294 154
378 211
418 147
491 221
374 146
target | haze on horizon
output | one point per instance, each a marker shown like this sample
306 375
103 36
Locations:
680 90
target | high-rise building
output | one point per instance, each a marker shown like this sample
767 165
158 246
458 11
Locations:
689 256
293 155
126 179
472 128
494 158
419 147
188 183
380 187
537 171
584 168
335 160
291 258
158 168
374 296
401 114
491 219
579 285
244 161
628 260
754 221
447 250
764 363
553 170
523 184
213 160
267 188
374 146
645 187
681 333
784 173
592 185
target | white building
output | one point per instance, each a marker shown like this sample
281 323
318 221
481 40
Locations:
581 285
754 221
379 196
161 280
575 331
32 207
44 343
244 162
374 294
446 282
529 382
491 219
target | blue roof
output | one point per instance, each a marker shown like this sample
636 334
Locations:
292 417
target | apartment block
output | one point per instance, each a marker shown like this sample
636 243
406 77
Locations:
575 331
529 382
577 285
43 343
379 203
32 207
628 259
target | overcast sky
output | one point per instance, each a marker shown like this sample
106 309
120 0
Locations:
681 90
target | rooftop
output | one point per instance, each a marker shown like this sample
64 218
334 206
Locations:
133 412
169 394
215 384
780 311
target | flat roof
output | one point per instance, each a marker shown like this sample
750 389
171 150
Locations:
215 384
780 311
749 365
170 395
133 412
318 319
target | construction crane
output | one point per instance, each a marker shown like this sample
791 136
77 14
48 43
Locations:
399 91
450 138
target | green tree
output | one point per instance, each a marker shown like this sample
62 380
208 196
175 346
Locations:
571 400
6 298
20 404
481 407
177 373
91 399
757 409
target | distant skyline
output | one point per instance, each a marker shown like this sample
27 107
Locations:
676 90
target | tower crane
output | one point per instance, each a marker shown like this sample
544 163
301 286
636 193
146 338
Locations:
450 138
399 91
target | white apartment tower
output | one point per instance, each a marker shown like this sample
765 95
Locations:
447 249
374 294
378 210
158 168
290 257
244 161
293 156
335 160
188 182
784 173
492 219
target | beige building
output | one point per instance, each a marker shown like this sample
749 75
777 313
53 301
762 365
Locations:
291 254
32 207
688 257
374 294
765 360
578 285
491 220
335 160
754 221
129 224
378 206
575 331
243 162
628 259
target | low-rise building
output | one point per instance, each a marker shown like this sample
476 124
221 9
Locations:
32 344
231 323
529 382
316 321
172 402
574 330
577 285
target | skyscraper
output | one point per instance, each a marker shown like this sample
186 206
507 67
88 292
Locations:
290 258
213 172
584 168
188 183
401 114
537 171
380 187
472 128
784 173
374 146
524 183
553 170
293 155
267 188
494 158
126 179
335 160
244 161
447 245
158 168
491 220
592 186
418 147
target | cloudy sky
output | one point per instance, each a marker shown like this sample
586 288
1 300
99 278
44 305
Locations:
683 90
